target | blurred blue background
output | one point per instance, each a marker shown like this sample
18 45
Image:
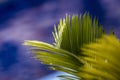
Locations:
33 20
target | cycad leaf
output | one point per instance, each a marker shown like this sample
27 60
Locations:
70 35
55 57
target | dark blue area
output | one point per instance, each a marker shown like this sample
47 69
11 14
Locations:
10 8
8 55
95 9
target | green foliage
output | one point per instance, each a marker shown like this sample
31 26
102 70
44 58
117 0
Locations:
103 57
81 49
56 58
73 32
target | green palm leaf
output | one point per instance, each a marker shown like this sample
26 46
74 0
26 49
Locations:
71 34
65 55
55 57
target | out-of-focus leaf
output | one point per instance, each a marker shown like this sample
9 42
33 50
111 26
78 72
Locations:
103 58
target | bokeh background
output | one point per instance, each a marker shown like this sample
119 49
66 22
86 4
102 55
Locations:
33 20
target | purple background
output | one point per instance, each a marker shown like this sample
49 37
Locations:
33 20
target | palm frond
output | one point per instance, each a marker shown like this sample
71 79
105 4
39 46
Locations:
103 57
71 34
65 55
56 58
